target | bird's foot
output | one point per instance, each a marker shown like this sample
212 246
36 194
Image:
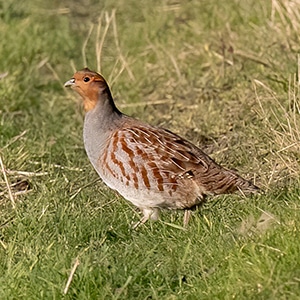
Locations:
186 218
148 213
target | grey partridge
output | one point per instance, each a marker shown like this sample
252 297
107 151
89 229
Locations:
151 167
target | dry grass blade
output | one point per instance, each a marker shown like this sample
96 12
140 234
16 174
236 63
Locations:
57 166
76 264
298 67
289 14
121 290
100 38
85 42
83 187
3 75
24 173
99 45
12 199
14 139
174 62
121 56
252 57
144 103
3 245
282 123
56 76
101 34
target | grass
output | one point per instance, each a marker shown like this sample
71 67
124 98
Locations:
224 75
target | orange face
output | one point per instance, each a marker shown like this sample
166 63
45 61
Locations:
88 85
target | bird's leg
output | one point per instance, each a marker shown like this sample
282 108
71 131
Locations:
187 215
148 213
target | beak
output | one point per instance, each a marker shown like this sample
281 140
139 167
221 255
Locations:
70 82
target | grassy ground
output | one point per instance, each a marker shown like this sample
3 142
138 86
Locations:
221 73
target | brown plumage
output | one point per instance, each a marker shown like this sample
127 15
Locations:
151 167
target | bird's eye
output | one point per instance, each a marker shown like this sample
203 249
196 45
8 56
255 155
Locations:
86 79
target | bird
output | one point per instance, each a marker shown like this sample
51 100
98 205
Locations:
152 167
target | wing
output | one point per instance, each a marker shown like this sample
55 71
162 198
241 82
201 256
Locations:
152 157
170 152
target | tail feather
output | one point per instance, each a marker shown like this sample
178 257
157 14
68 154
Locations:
223 181
246 186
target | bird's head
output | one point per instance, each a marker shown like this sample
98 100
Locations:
91 86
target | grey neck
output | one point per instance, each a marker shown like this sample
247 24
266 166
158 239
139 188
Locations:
99 123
